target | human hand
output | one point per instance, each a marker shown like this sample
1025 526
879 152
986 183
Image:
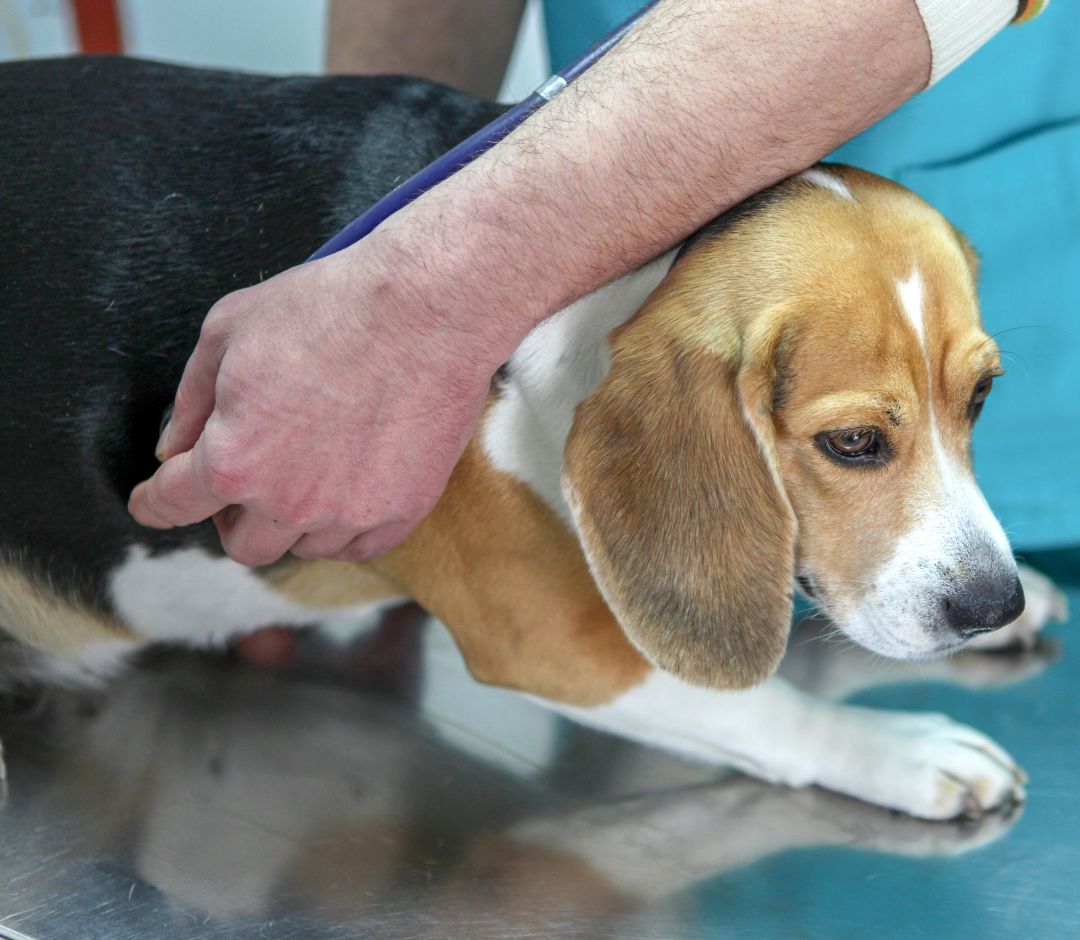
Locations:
321 412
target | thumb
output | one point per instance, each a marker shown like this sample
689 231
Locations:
194 400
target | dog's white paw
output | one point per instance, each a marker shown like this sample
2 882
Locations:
924 764
1045 603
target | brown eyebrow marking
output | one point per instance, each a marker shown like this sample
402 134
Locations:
825 409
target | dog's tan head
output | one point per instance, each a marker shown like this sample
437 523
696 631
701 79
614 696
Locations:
795 401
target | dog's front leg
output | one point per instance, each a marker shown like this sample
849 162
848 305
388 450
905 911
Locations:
924 764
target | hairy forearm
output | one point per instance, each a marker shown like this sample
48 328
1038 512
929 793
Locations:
703 104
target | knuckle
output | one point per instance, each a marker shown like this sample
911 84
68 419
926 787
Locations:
161 499
353 522
225 474
185 395
356 550
248 555
225 482
294 517
160 503
250 547
215 327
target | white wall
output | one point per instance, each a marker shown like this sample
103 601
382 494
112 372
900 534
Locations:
34 27
257 35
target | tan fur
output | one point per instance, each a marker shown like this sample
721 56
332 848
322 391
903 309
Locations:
795 307
327 583
46 622
686 532
495 565
851 359
687 465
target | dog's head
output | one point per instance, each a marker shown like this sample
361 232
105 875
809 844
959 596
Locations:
795 401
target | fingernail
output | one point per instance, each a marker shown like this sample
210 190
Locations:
163 441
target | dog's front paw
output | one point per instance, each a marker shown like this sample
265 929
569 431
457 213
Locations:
1044 603
924 764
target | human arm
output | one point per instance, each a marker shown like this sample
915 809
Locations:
382 353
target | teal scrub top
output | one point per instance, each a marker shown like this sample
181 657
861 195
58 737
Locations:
996 147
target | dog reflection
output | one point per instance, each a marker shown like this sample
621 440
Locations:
248 797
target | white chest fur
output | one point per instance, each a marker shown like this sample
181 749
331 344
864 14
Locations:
556 367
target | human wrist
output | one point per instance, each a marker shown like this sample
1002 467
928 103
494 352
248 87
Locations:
465 276
424 309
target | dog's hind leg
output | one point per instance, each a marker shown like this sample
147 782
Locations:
66 641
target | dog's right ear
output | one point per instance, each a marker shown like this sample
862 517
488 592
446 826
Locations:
680 513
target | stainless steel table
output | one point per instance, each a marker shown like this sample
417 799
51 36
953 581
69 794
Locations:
377 792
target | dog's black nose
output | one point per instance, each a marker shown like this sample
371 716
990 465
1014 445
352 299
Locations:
984 605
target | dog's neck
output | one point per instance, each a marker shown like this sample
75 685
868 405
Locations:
557 366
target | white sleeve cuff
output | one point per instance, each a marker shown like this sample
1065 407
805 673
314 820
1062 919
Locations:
958 27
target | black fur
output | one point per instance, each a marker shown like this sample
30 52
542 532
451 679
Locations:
133 196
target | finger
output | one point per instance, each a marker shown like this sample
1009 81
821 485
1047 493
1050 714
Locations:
173 495
375 542
251 539
194 400
326 544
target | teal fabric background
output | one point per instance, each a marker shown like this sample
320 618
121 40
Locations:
996 147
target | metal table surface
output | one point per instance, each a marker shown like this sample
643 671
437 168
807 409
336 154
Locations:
376 791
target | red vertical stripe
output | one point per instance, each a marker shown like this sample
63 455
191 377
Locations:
98 25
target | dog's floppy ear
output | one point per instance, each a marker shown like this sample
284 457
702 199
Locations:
680 509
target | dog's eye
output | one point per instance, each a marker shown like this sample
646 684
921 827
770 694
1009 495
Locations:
853 445
978 397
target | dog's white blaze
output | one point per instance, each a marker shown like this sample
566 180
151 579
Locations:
191 597
556 367
954 517
826 180
955 481
957 488
911 302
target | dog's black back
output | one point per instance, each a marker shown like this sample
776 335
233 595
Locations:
134 195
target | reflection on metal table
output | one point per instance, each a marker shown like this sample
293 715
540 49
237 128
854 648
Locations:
376 791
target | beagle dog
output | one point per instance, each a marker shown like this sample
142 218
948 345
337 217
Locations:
785 399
